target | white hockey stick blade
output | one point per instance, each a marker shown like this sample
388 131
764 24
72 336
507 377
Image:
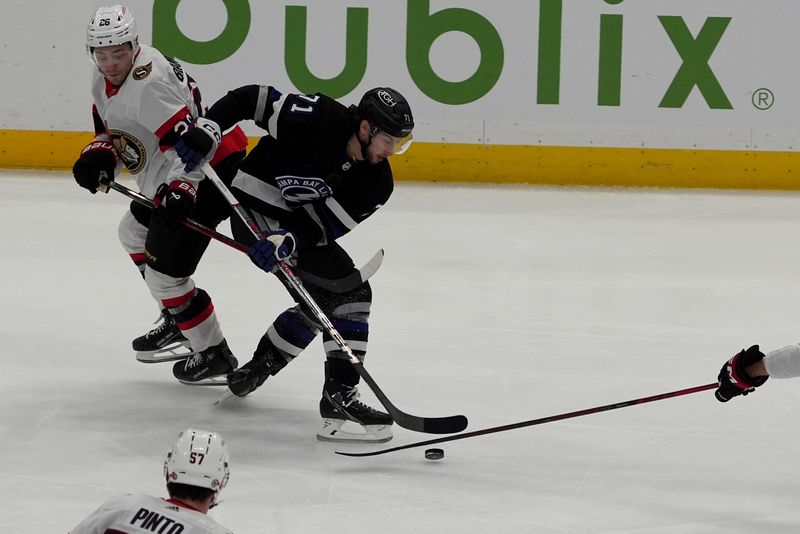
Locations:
349 282
372 266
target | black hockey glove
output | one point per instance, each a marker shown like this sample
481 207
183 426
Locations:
734 380
173 201
199 143
97 162
275 247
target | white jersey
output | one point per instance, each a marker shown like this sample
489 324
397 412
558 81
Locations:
134 514
783 362
144 117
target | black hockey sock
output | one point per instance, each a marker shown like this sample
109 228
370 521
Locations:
342 371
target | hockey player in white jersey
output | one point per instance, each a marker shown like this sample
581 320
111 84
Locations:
750 368
196 471
143 102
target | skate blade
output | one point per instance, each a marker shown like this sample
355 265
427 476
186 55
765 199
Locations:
222 398
170 353
217 381
332 431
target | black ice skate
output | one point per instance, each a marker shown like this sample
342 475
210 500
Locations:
340 405
254 373
203 367
164 343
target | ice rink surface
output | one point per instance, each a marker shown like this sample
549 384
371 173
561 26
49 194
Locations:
502 303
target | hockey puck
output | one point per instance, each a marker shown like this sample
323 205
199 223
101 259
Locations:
434 454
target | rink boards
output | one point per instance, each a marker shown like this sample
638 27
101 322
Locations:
474 163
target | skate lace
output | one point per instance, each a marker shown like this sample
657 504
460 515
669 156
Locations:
194 360
162 326
350 400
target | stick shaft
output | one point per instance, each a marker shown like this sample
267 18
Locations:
543 420
189 223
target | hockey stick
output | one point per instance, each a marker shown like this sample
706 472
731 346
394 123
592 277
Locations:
340 285
431 425
541 421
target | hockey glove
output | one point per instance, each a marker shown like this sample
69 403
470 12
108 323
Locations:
173 201
733 378
199 143
97 162
275 247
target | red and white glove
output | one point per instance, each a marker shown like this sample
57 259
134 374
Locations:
173 202
733 377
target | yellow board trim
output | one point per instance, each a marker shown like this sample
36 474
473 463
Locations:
594 166
27 149
549 165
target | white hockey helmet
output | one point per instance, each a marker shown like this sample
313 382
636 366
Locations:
111 26
198 458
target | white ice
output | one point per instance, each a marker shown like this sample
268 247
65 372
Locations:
505 304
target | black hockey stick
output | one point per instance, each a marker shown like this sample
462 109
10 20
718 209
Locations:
431 425
541 421
339 285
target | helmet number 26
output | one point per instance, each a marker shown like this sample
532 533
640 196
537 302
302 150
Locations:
104 22
196 458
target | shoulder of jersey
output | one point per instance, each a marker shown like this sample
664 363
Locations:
150 65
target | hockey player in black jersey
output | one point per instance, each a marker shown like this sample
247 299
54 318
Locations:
321 171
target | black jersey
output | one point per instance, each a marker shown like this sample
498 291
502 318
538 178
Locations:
299 177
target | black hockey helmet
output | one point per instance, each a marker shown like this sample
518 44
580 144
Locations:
387 110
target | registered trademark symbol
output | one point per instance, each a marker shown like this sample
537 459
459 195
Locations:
763 98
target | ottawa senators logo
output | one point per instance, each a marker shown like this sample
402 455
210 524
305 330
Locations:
130 150
143 71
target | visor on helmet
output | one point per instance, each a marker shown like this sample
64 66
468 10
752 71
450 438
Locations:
402 144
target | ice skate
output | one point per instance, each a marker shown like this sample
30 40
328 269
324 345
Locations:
164 343
345 419
205 367
254 373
